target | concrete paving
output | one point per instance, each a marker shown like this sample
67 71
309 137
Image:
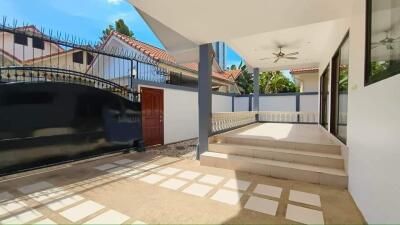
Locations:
153 189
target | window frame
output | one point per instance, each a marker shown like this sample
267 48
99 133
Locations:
73 57
37 39
21 35
368 41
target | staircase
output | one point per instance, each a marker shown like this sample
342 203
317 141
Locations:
310 162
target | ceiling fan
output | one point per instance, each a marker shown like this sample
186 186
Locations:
387 41
281 55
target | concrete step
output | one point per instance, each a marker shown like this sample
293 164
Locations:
278 169
285 155
271 143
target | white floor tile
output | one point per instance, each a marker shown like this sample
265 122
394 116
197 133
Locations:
81 211
47 195
200 190
118 170
46 222
304 215
226 196
169 171
109 217
268 190
123 161
189 175
39 186
149 166
5 196
237 184
305 198
138 222
105 167
11 206
211 179
64 202
152 178
173 184
136 164
133 174
23 217
262 205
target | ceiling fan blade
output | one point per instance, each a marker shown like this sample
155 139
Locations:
277 59
293 53
291 58
275 54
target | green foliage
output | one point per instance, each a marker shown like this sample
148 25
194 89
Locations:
270 82
276 82
120 27
244 81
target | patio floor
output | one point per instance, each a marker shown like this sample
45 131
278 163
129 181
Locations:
148 188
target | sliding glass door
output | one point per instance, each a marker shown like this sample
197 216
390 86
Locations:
324 93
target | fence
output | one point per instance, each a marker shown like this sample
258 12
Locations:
225 121
28 54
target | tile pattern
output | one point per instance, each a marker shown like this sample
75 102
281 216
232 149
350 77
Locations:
199 190
262 205
109 217
173 184
305 198
237 184
304 215
211 179
227 196
189 175
81 211
268 190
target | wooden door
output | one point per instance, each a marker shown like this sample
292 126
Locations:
152 116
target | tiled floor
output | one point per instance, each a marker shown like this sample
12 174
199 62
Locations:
142 188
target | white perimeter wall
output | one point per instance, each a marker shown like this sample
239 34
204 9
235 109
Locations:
373 132
278 103
221 103
241 104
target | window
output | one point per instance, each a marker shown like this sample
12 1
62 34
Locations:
89 58
77 57
20 39
38 43
339 88
382 40
324 93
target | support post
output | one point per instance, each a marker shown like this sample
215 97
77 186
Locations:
298 106
205 96
256 87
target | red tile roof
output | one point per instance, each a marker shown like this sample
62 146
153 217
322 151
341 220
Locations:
159 54
233 73
151 51
304 70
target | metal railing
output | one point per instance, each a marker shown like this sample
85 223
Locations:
225 121
288 117
28 54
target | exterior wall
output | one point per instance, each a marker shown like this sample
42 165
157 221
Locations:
241 104
25 52
64 61
309 103
308 82
181 110
278 103
221 103
372 132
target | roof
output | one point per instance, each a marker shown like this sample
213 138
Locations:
162 55
149 50
304 70
10 56
233 73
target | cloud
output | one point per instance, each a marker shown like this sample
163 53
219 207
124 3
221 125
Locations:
114 2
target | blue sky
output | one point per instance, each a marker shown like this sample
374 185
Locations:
83 18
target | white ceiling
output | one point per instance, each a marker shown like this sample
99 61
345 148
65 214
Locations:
253 28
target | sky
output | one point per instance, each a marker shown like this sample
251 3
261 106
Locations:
83 18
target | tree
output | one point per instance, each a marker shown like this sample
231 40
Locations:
276 82
120 27
245 81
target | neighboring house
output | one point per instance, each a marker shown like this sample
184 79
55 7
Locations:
306 79
173 73
24 48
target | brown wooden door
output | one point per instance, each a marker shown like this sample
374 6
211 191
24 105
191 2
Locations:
152 116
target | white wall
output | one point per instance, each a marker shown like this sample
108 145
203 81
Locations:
221 103
373 130
278 103
181 112
373 134
309 103
241 104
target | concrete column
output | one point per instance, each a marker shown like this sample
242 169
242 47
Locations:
205 96
256 87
